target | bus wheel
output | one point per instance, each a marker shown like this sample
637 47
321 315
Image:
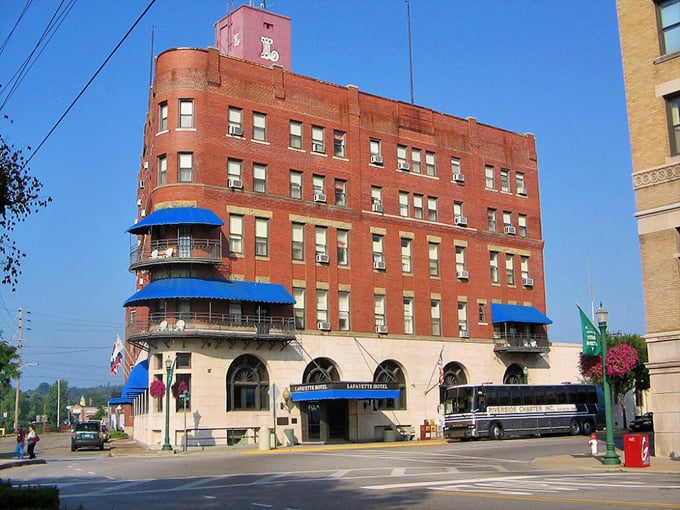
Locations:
587 428
574 428
496 431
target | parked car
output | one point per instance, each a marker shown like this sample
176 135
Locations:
642 423
87 434
105 432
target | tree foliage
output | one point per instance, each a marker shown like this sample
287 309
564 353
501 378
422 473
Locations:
8 363
19 198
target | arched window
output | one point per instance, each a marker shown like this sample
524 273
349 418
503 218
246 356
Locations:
247 385
319 371
514 375
390 372
454 375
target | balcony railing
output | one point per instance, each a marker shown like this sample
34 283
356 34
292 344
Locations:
169 250
211 326
521 342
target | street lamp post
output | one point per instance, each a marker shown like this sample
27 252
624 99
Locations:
169 368
610 458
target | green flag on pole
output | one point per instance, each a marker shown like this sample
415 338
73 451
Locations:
591 337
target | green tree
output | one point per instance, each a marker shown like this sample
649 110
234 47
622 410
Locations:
8 363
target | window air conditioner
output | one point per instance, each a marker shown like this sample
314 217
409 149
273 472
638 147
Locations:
317 147
146 167
139 202
323 325
322 258
381 330
459 178
142 213
141 184
379 265
236 183
522 191
376 159
462 275
509 229
235 130
319 197
464 333
460 220
377 206
528 282
403 165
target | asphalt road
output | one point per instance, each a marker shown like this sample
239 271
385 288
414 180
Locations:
475 475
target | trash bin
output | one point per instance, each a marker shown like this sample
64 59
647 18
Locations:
290 437
272 438
389 435
264 439
636 450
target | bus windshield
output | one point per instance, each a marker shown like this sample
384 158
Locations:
459 400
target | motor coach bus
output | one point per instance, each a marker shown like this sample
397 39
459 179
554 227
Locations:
499 410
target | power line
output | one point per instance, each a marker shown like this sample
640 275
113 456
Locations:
16 23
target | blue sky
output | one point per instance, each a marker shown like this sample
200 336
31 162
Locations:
548 67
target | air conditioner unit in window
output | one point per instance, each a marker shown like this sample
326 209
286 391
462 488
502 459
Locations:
317 147
322 258
379 265
381 330
522 191
459 178
377 206
146 166
323 325
462 275
141 184
528 282
464 333
235 130
139 202
460 221
376 159
403 165
319 197
142 213
236 183
509 229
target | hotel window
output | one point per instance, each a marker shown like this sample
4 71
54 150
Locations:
163 116
259 178
455 168
482 312
462 319
321 305
507 219
460 259
379 309
510 268
522 225
417 160
299 307
406 256
159 401
343 311
247 385
339 150
520 188
321 240
436 317
490 180
505 180
295 135
296 184
262 237
185 165
669 25
235 121
236 233
433 250
378 256
179 403
458 214
318 144
431 164
183 360
235 313
418 206
524 266
375 151
432 214
491 219
234 170
403 204
493 265
673 107
259 127
319 184
408 315
341 192
376 199
402 158
298 237
343 247
186 113
162 170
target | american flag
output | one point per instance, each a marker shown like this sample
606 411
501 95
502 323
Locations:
440 367
116 355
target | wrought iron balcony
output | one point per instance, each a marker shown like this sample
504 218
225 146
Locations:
207 251
211 328
526 342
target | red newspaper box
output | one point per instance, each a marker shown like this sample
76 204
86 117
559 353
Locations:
636 450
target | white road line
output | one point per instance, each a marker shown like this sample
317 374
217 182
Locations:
340 473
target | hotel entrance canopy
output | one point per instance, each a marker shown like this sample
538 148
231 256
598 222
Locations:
343 390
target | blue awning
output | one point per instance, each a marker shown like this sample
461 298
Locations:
517 313
119 400
137 382
176 216
346 390
197 288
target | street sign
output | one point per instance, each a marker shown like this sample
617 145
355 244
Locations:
184 395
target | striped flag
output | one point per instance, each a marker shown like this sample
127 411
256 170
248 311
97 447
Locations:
440 367
116 355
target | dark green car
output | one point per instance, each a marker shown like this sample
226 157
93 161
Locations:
87 434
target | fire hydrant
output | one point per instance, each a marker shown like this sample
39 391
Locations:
592 442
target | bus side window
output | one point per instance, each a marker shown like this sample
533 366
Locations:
561 395
551 395
515 395
540 397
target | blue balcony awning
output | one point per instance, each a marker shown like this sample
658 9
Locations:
343 390
119 400
137 382
197 288
176 216
517 313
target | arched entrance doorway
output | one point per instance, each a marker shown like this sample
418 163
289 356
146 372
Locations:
454 375
323 420
514 374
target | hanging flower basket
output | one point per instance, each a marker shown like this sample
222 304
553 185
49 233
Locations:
178 388
157 389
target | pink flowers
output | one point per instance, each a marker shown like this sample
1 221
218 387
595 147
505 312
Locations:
157 389
621 359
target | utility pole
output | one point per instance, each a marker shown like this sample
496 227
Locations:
18 391
58 402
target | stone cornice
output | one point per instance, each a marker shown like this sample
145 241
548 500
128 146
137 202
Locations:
656 176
